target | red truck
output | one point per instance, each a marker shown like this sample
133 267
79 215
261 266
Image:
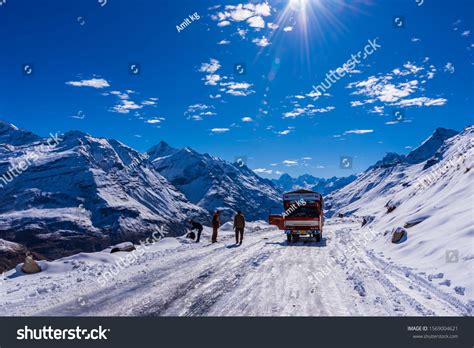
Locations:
303 215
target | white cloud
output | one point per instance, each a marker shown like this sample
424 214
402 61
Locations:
223 42
415 39
377 110
449 67
256 22
263 170
289 28
124 106
423 101
396 88
94 83
149 102
197 111
210 67
193 108
247 119
220 130
466 33
223 23
121 95
309 109
251 13
356 103
212 79
215 96
359 131
262 42
272 26
239 89
242 33
294 113
321 110
155 120
290 163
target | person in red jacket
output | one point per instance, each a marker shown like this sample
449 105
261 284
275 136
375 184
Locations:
216 222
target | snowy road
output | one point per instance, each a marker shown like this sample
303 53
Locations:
263 277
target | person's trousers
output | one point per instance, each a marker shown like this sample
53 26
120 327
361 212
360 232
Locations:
199 234
214 234
239 232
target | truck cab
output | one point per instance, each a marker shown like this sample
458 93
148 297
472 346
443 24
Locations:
302 215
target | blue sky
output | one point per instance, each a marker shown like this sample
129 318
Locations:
188 92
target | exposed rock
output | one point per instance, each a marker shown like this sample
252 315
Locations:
126 247
30 266
399 234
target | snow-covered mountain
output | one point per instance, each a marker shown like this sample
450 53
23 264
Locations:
430 193
81 193
324 186
385 176
213 183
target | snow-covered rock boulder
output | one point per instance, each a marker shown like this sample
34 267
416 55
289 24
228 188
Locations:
399 234
30 266
125 247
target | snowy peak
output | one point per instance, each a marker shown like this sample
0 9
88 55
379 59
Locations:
213 183
306 181
390 159
429 147
12 135
162 149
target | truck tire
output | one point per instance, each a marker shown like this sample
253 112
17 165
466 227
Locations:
295 238
318 237
288 238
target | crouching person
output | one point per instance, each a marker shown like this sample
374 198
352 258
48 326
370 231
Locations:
198 227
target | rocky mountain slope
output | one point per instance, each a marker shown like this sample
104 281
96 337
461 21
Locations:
213 183
81 193
430 194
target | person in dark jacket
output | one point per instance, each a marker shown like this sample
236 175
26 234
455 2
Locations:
239 225
196 226
216 222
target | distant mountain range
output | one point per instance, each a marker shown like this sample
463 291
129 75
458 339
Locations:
324 186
